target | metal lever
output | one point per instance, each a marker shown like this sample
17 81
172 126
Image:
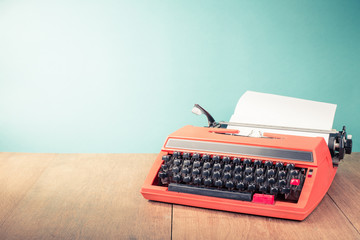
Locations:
198 110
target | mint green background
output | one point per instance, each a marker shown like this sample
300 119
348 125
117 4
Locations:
119 76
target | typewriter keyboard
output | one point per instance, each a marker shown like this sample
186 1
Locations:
230 177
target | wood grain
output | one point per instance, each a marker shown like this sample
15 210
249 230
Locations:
96 196
326 222
345 189
18 173
90 196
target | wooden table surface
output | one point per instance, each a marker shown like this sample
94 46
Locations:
97 196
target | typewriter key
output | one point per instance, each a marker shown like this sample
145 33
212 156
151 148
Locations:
282 173
206 173
279 165
268 163
177 178
240 185
257 162
187 179
271 180
259 171
217 166
251 187
216 174
216 158
187 163
175 169
229 184
196 164
236 160
227 175
196 156
197 180
249 178
238 177
166 158
260 179
274 190
218 183
185 170
177 162
290 166
227 167
247 161
207 181
186 155
238 168
207 165
249 170
226 159
271 172
282 182
196 171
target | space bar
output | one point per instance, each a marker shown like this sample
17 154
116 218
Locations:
243 196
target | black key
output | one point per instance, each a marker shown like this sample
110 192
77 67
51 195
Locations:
209 192
226 159
240 185
196 156
185 170
262 188
249 178
207 165
282 182
162 175
207 181
216 174
186 155
259 171
268 163
251 187
279 165
196 164
197 180
177 162
249 169
238 168
257 162
205 157
227 167
187 163
271 172
175 169
290 166
271 180
206 173
294 172
217 166
238 177
236 160
216 158
285 190
164 167
227 175
166 158
196 171
247 161
282 173
229 184
218 183
260 179
177 154
187 179
274 190
177 178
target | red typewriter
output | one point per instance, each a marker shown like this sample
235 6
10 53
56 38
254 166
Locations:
276 175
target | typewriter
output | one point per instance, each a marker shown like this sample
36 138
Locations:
274 175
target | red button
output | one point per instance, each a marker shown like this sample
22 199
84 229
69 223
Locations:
263 198
295 182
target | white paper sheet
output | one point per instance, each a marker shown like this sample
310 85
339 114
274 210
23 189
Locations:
275 110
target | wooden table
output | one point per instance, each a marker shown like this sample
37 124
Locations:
96 196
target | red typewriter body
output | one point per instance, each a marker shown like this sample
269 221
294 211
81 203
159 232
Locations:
265 159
